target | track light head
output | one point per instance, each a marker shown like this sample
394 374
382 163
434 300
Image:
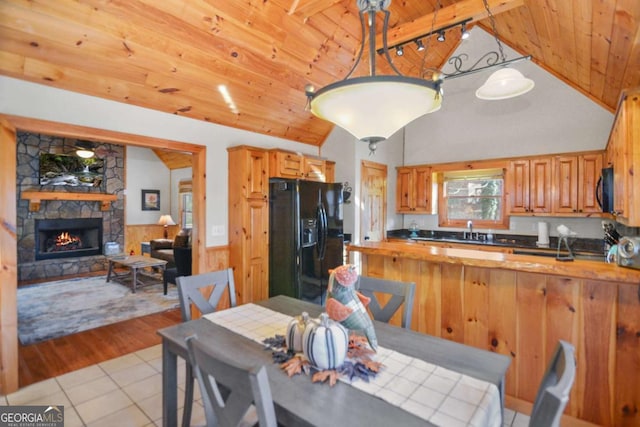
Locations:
419 45
441 37
399 51
464 34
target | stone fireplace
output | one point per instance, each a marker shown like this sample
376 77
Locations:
65 237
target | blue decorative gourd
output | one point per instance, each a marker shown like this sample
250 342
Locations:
295 331
325 343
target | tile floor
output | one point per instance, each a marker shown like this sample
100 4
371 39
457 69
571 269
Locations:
125 392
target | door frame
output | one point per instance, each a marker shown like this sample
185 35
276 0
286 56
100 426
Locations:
8 237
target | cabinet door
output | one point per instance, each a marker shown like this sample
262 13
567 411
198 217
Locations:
256 279
314 169
589 171
286 165
618 156
565 184
540 185
330 171
518 186
257 178
404 193
422 189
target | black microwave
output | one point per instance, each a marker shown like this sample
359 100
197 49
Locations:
604 190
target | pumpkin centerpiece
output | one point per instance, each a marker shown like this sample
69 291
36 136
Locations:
295 331
325 343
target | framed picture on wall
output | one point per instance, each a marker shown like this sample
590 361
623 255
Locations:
150 200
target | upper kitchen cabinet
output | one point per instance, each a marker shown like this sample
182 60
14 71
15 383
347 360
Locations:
623 153
529 186
251 165
283 164
286 164
575 178
413 193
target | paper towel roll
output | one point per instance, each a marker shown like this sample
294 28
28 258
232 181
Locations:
543 233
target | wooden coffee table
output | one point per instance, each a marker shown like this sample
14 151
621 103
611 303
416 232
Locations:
135 264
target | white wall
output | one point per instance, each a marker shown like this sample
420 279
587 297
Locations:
552 118
145 171
21 98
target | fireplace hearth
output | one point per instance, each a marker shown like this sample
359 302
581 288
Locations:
67 238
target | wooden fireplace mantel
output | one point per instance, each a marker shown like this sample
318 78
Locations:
35 197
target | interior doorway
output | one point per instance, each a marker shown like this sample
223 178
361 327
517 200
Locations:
373 200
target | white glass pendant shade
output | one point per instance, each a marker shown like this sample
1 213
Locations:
503 84
374 108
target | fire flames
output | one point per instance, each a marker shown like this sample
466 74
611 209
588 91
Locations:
67 241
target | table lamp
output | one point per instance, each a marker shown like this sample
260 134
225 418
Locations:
166 220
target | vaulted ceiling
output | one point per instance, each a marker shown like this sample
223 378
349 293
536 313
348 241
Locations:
171 55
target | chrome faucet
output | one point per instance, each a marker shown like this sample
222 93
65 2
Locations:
470 226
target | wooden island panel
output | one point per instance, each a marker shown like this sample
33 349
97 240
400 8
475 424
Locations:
523 314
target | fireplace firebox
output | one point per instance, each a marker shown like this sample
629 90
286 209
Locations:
67 238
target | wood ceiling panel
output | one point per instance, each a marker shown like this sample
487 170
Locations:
171 55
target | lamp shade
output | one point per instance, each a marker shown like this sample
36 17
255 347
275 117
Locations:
503 84
373 108
166 220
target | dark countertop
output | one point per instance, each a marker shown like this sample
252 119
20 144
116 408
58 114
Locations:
587 247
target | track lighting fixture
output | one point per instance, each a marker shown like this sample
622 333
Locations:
464 34
441 37
399 51
419 45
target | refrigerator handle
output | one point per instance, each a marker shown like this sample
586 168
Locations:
322 232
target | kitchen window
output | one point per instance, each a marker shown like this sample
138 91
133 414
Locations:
477 196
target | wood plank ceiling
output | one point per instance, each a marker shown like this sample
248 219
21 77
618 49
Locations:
172 55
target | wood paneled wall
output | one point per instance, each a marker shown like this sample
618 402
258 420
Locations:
523 315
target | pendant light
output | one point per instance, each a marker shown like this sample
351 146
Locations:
374 107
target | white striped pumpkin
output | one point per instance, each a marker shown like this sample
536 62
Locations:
295 330
325 343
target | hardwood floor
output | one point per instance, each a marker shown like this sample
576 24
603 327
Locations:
47 359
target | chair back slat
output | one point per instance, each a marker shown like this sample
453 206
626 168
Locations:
249 399
383 309
553 393
190 291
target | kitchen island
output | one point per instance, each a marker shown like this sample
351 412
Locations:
520 305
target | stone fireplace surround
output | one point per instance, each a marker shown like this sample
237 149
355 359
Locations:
29 147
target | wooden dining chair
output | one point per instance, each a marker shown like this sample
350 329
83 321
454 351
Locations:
402 293
248 401
190 292
553 393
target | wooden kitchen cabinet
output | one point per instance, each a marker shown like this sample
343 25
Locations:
623 153
413 191
575 178
589 172
286 164
314 169
529 186
330 168
249 222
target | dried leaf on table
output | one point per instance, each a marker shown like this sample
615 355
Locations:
294 366
357 341
372 365
362 353
322 376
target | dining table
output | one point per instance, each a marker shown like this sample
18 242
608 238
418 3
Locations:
300 402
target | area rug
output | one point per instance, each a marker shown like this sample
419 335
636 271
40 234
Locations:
55 309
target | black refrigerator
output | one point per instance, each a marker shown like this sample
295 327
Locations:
305 237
